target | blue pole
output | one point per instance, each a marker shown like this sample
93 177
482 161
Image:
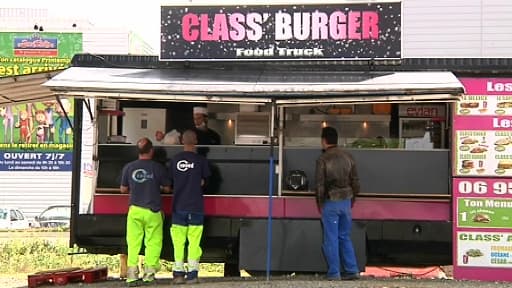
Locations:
270 192
269 223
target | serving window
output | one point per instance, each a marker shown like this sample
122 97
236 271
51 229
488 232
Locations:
371 126
383 138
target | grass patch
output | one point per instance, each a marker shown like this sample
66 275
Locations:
35 230
33 254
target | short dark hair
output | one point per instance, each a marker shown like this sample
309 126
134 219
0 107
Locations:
330 135
144 146
189 137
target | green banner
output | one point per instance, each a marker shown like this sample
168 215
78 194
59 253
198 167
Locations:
26 53
485 212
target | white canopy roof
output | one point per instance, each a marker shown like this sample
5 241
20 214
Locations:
232 86
243 86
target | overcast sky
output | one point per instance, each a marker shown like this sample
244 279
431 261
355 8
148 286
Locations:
142 17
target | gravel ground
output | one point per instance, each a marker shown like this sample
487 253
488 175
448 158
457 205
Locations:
19 281
288 282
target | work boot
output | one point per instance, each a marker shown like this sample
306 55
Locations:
333 278
149 275
132 276
135 283
192 277
351 276
178 277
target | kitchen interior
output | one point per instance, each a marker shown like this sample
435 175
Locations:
380 125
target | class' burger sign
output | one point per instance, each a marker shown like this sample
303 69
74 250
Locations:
281 32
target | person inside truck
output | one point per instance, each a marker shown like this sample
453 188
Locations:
144 179
170 138
205 135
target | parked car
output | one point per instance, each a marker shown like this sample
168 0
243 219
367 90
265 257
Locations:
13 219
54 216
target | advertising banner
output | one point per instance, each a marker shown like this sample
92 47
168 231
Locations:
482 183
281 32
22 160
36 136
26 53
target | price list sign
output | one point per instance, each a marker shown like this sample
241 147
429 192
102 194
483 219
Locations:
482 180
483 153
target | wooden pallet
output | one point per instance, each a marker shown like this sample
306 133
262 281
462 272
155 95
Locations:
67 275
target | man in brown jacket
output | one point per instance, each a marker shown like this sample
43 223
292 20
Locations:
337 184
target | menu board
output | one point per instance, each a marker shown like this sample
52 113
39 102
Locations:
483 203
483 219
482 180
485 105
483 129
484 249
483 153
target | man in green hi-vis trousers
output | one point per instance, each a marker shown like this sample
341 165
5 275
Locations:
143 179
189 172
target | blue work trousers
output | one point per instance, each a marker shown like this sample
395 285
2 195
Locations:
337 244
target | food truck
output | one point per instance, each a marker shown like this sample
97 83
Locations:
269 87
397 129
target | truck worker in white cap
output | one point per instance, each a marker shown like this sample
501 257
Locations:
205 135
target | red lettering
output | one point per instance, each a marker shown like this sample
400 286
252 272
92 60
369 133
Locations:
353 25
354 21
220 27
422 112
189 32
370 25
205 36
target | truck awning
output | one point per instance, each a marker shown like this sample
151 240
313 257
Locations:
25 88
247 86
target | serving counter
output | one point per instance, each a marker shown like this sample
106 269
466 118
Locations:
243 170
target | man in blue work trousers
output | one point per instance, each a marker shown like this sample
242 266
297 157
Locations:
189 172
337 184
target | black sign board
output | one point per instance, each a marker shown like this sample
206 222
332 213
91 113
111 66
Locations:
281 32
